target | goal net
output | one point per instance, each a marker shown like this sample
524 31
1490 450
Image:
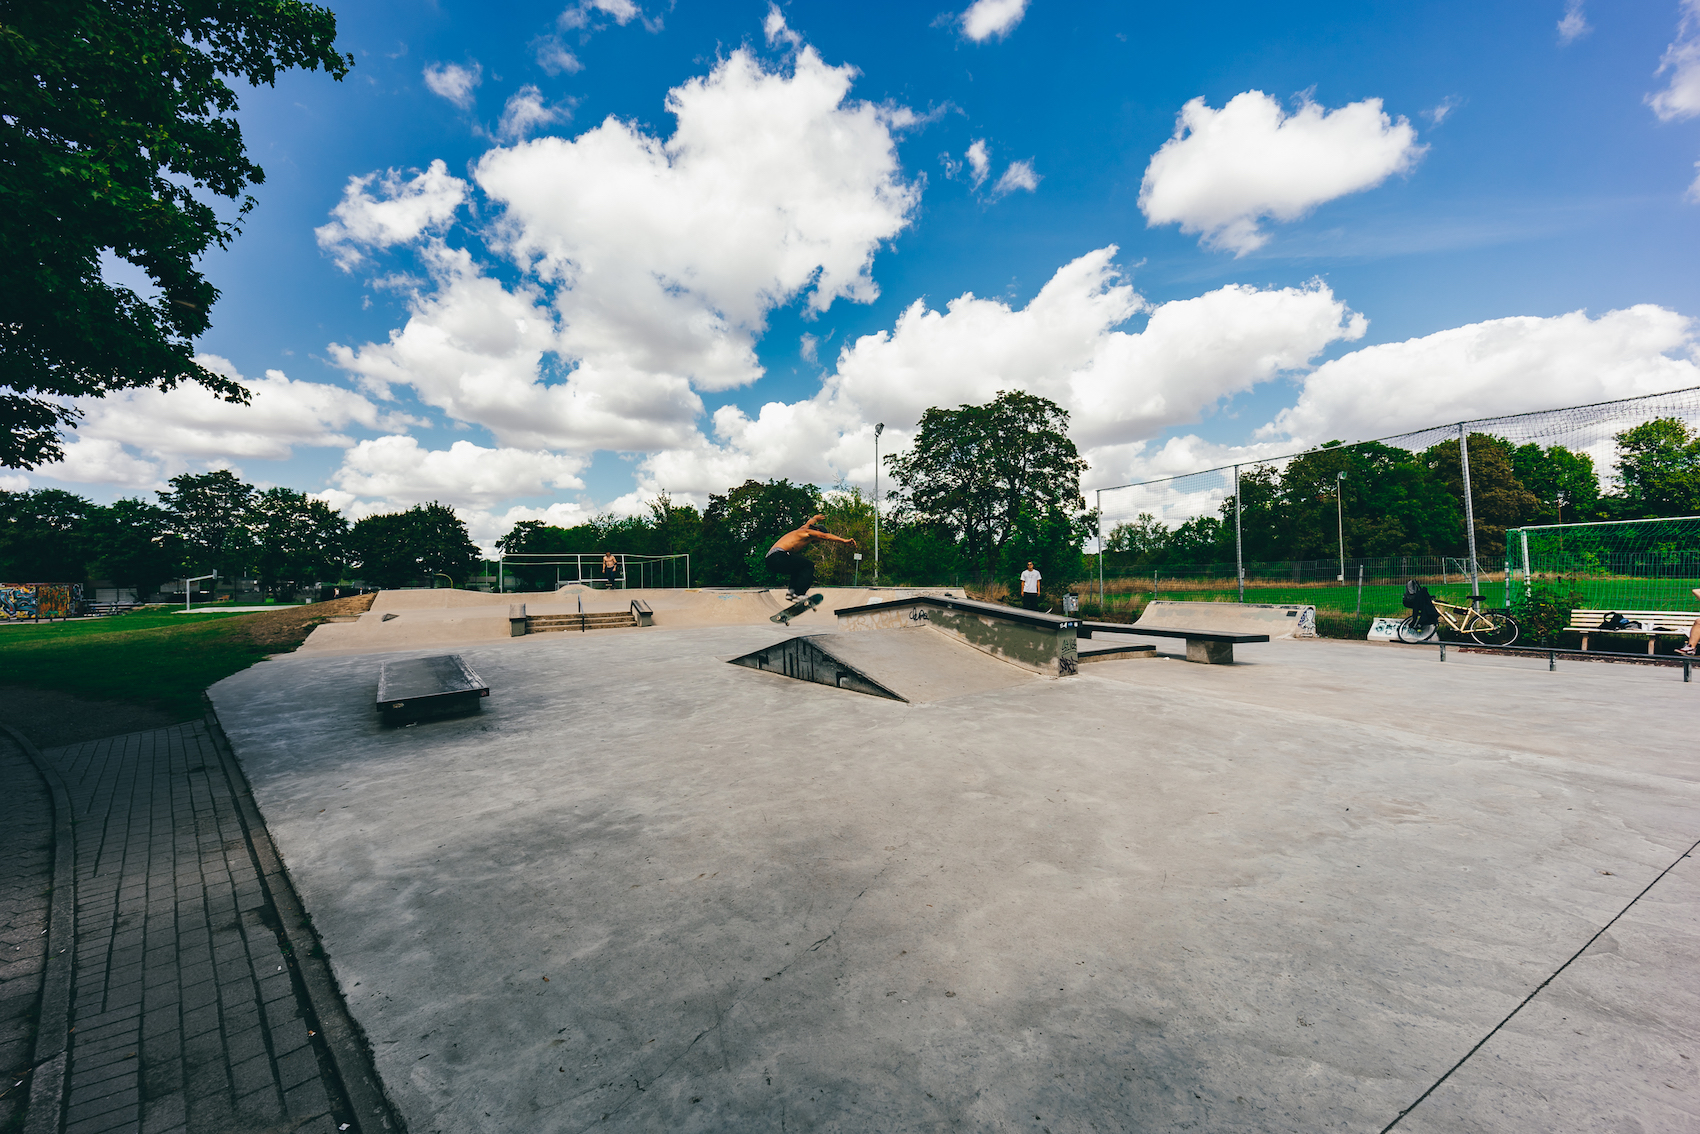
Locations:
1612 565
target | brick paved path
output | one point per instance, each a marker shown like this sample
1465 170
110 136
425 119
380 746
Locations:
187 1014
26 871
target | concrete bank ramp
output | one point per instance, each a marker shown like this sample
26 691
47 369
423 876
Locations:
1278 620
414 619
917 664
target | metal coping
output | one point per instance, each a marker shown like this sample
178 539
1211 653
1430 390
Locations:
993 610
1292 608
1168 632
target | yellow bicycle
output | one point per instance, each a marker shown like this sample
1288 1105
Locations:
1489 627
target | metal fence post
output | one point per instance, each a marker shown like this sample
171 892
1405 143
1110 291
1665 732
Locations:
1239 548
1360 608
1469 510
1099 496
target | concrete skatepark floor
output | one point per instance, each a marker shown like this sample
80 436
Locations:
647 890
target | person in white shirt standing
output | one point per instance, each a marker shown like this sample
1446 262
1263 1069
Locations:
1030 587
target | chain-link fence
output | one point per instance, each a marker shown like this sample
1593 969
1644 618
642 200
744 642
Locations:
1174 500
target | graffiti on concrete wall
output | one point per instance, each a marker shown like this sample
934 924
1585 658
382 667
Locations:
40 600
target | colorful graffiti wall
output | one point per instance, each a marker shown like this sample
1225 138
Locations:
40 600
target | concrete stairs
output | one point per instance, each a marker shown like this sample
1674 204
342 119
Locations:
550 623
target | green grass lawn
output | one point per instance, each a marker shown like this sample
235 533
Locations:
1383 599
149 657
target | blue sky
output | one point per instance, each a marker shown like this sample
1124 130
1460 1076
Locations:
1374 216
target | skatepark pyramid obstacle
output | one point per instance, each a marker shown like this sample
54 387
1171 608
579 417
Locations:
806 658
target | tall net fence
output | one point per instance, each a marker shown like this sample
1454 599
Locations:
1173 501
1622 565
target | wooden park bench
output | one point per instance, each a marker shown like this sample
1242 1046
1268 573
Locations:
1211 647
415 689
1655 624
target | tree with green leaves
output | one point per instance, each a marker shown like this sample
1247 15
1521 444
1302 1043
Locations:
1051 540
41 536
1658 470
974 469
739 527
1140 539
131 542
396 549
297 541
1563 481
209 514
118 124
920 553
1500 500
851 515
676 528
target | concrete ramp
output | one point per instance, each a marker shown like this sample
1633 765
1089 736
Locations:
1274 619
917 664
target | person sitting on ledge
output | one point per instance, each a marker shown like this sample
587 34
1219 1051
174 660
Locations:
1687 648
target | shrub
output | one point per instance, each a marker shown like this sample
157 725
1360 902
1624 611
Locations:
1542 614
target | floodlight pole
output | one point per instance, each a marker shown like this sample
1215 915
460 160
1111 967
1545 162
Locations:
879 428
1098 497
1340 518
1239 549
1469 511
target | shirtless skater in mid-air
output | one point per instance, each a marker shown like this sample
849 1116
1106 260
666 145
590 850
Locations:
786 556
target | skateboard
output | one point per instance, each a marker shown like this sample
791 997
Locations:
806 603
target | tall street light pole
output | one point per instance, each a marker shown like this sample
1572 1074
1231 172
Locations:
878 429
1340 518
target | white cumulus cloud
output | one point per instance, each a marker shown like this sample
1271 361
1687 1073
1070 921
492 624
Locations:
405 210
647 265
988 19
189 422
454 82
667 255
400 471
1573 25
553 56
1501 366
1019 175
1226 170
1066 344
580 15
101 460
525 112
1680 97
477 351
776 30
979 160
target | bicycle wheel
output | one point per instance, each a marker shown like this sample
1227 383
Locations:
1500 629
1411 631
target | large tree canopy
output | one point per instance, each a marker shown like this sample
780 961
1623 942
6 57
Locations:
1658 468
975 469
117 125
399 549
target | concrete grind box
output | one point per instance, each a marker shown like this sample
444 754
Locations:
1042 643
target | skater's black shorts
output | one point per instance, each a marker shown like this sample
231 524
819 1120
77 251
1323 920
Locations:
798 569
